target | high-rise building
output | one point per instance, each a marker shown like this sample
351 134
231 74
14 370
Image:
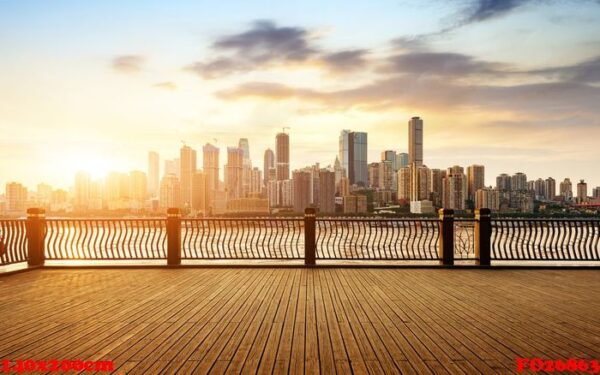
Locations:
353 148
170 192
138 187
268 163
43 195
153 173
282 156
436 180
245 146
339 173
503 182
401 160
326 191
419 182
475 180
171 167
373 169
549 188
344 187
455 188
487 198
82 190
187 168
390 155
415 141
386 175
256 180
302 190
582 191
233 172
518 181
566 189
538 187
210 166
404 177
596 192
16 197
199 192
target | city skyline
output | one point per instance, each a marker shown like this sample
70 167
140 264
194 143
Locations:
512 87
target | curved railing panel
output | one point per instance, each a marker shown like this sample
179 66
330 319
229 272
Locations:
13 241
230 238
377 239
546 239
464 239
105 239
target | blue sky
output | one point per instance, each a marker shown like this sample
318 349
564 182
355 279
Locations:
509 84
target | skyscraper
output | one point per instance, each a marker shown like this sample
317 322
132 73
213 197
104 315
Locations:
566 189
503 182
475 180
401 160
269 162
233 172
326 191
246 166
199 193
170 192
138 187
582 195
404 184
245 146
415 141
210 166
518 181
302 190
282 156
487 198
16 196
187 157
153 173
455 188
353 148
549 188
82 190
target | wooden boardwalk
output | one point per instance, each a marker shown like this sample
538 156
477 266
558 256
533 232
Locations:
295 320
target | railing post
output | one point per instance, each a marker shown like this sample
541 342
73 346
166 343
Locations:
446 242
173 236
36 232
310 219
483 236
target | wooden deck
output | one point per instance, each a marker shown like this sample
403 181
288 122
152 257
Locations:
284 320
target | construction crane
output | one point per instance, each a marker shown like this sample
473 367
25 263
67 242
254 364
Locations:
285 127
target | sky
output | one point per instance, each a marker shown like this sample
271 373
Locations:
95 85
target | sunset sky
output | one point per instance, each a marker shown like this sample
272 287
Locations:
513 85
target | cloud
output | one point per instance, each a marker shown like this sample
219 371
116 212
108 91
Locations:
440 64
167 85
583 72
345 60
541 99
262 45
482 10
265 44
128 63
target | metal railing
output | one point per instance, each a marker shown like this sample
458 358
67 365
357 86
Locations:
545 239
377 239
105 239
464 239
255 238
310 238
13 242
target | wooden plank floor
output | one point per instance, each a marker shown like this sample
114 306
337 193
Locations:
295 320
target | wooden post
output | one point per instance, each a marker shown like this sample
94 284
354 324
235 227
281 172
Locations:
483 236
446 241
173 236
310 219
36 232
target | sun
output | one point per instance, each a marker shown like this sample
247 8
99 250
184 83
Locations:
93 163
